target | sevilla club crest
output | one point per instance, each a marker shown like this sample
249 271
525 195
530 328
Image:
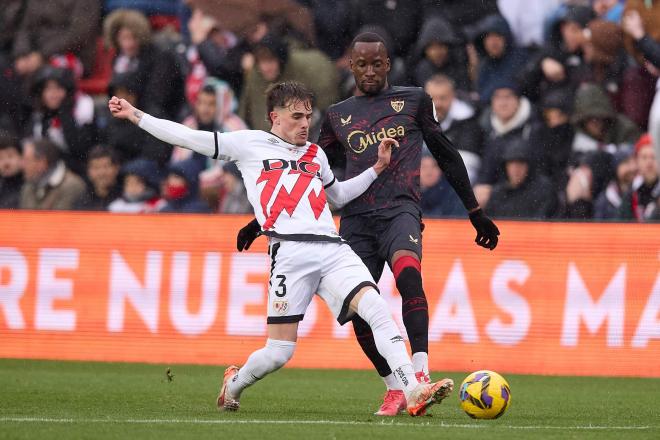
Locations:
397 105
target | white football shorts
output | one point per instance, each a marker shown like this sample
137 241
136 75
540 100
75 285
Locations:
299 270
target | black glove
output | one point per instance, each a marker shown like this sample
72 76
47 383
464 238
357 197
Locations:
247 235
487 232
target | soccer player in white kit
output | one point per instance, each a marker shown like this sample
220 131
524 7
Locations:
289 182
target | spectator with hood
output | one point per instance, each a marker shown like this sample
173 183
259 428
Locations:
510 117
608 203
599 132
49 184
63 115
158 74
439 50
552 142
275 62
129 140
181 188
524 194
560 62
11 171
213 110
598 126
499 58
140 188
641 202
103 175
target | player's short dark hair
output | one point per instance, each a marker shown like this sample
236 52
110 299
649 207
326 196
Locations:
101 151
8 140
44 149
286 93
368 37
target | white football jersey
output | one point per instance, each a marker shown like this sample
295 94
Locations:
284 182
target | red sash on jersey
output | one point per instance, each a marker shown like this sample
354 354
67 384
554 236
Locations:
289 201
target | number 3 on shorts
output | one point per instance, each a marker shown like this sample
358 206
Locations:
281 288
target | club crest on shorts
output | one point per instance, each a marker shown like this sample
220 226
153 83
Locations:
397 105
281 306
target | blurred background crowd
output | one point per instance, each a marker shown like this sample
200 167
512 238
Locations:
553 105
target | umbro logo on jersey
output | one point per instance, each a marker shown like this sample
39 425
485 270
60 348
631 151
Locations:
345 122
273 141
413 239
397 105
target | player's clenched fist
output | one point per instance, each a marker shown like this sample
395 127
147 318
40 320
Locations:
122 109
385 153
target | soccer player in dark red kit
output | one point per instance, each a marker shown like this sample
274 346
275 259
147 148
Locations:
384 223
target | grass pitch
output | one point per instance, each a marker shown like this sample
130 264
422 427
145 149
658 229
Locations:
67 400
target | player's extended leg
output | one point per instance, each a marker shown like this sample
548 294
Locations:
362 234
371 307
278 350
406 268
394 400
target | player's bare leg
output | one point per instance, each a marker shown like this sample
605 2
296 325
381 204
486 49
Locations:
419 396
274 355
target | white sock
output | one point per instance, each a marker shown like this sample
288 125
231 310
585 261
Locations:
373 309
420 362
391 383
260 363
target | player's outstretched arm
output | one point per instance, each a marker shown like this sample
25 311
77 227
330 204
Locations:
202 142
340 193
451 163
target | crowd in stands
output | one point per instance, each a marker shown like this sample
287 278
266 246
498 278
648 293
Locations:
554 105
